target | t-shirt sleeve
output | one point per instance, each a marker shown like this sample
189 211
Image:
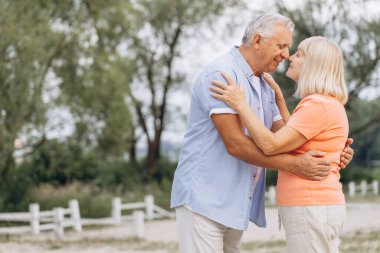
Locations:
203 93
309 117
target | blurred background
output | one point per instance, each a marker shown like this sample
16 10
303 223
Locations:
95 94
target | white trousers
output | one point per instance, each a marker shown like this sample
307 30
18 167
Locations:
313 229
199 234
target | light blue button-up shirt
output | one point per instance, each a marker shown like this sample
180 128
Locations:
208 180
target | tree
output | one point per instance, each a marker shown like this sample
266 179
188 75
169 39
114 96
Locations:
95 76
119 72
167 25
28 47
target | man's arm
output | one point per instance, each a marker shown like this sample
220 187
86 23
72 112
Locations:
310 165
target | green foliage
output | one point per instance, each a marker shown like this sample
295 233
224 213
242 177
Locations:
49 197
14 192
27 48
355 174
271 178
61 163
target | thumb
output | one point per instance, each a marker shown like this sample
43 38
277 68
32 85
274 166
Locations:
349 141
316 153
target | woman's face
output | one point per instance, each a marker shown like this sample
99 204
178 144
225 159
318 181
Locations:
296 62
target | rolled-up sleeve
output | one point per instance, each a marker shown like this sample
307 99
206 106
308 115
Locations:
209 104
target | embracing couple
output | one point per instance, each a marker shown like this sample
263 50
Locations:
239 123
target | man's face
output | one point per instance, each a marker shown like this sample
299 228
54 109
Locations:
275 49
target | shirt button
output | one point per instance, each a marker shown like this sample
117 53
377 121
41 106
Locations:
258 108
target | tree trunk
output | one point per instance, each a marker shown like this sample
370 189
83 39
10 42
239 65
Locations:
6 165
154 153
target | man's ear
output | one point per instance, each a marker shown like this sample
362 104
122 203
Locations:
257 39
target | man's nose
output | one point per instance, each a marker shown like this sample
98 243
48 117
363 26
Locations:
285 53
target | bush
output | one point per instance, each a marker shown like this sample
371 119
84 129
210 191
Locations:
356 174
14 191
93 202
60 163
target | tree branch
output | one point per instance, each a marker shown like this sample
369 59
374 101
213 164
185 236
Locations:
168 81
370 123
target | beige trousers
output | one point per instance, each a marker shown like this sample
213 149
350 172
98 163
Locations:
313 229
199 234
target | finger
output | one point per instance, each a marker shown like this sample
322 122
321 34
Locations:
217 90
228 78
217 96
220 84
348 150
345 161
321 174
316 153
346 155
267 76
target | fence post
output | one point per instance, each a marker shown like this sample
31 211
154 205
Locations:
149 205
59 216
272 194
363 187
75 215
351 189
375 186
116 210
138 224
34 210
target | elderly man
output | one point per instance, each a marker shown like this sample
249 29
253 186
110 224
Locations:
219 183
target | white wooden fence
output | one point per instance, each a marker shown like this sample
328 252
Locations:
55 219
364 188
60 218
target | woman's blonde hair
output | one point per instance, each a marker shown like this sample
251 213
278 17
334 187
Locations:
322 71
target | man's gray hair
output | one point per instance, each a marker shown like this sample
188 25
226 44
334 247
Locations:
264 25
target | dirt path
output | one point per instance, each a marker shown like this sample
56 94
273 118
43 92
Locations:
161 236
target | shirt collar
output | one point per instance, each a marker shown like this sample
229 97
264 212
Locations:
243 64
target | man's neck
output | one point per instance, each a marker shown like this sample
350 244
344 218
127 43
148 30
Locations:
252 60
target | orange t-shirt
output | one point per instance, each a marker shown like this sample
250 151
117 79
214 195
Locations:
323 121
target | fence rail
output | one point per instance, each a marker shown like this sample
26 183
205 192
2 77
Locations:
60 218
364 188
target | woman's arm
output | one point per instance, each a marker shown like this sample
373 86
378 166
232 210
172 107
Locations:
284 140
280 100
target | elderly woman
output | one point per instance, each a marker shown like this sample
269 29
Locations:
312 212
